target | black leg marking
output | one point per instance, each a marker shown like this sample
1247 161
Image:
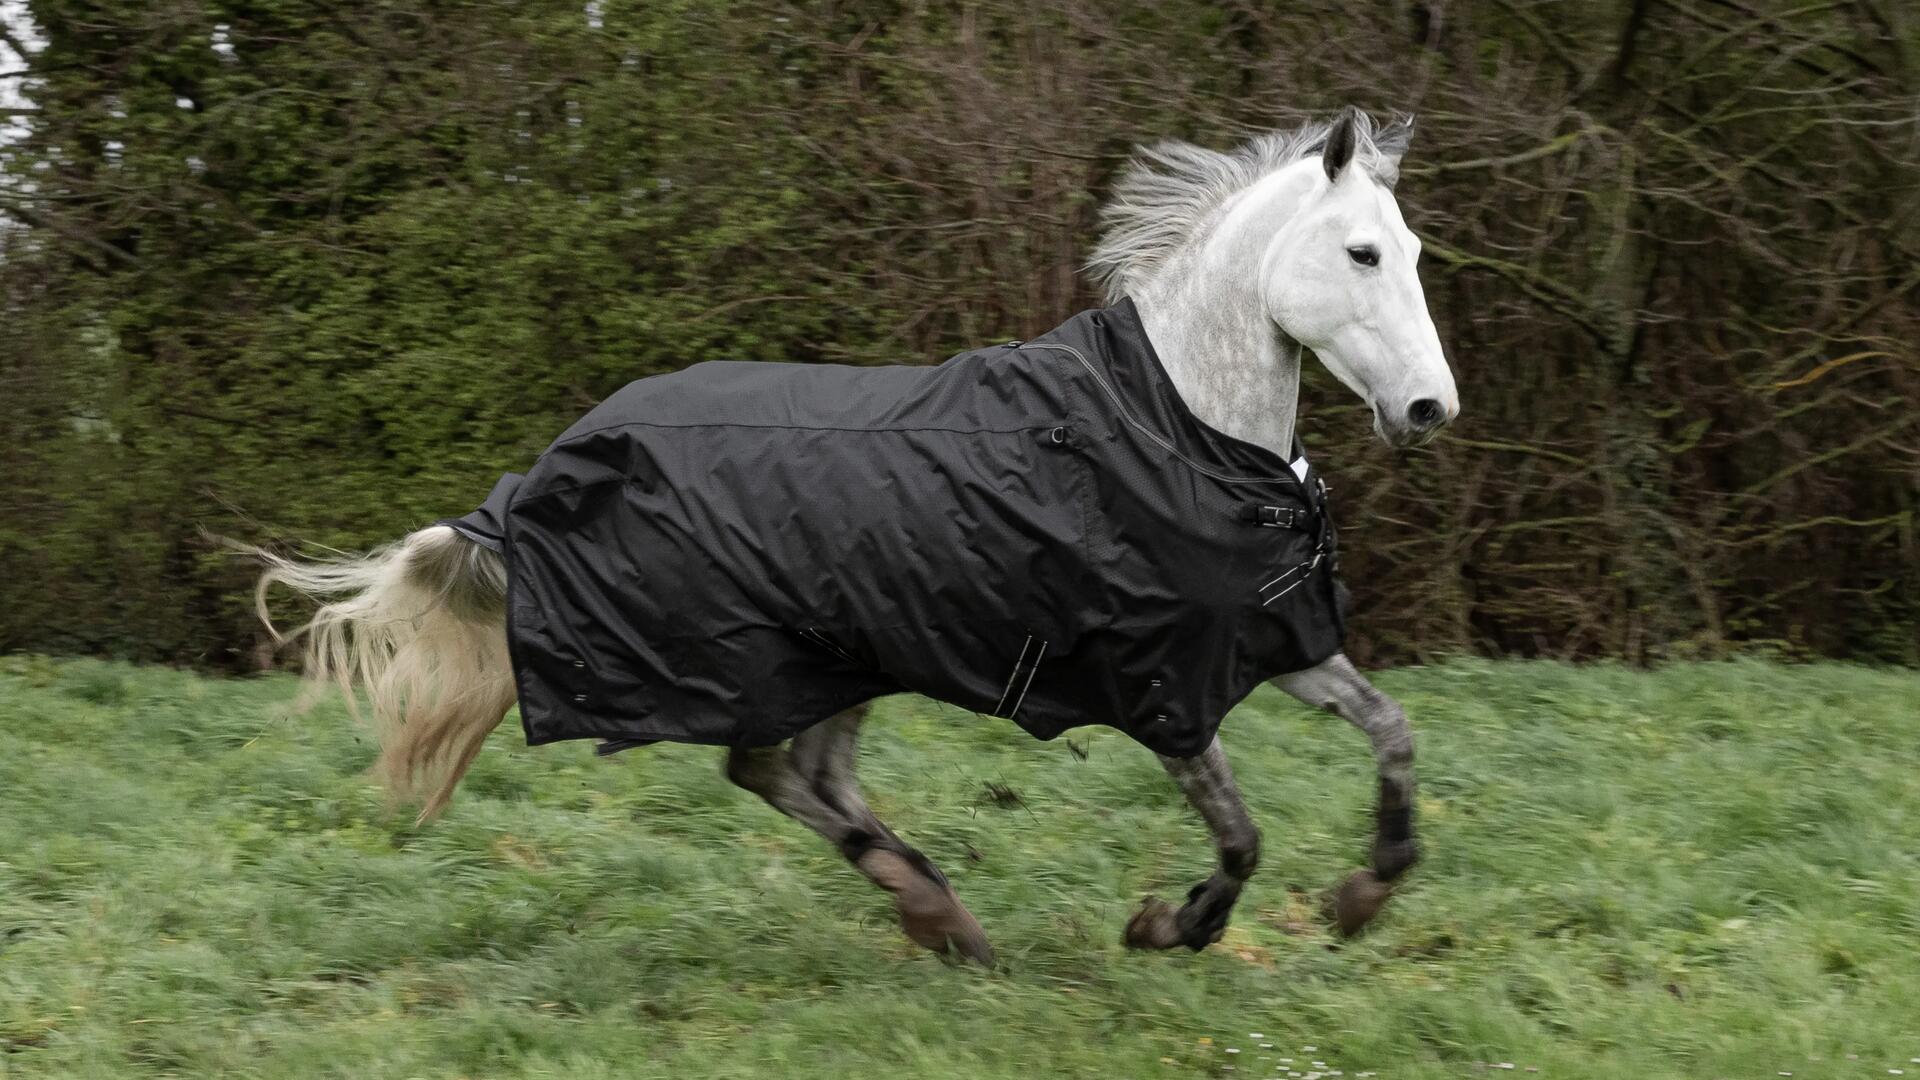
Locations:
1338 687
1394 848
1207 781
811 781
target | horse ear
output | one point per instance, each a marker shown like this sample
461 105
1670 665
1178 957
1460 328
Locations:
1391 142
1393 137
1341 139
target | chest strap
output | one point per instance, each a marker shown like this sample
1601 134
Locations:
1276 517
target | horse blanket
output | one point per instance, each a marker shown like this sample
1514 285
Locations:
1039 530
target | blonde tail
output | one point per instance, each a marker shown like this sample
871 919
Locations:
420 627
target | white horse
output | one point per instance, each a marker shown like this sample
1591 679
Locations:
1235 261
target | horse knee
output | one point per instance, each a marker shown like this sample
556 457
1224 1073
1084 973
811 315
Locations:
1385 722
1240 852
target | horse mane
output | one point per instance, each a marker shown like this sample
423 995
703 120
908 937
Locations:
1170 190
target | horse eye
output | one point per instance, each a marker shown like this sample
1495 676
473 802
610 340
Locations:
1365 255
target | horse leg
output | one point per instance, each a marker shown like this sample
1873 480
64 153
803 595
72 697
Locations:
1336 686
811 780
1207 781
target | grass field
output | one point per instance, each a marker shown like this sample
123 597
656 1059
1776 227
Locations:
1706 871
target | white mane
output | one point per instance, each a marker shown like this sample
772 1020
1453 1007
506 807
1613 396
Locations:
1170 190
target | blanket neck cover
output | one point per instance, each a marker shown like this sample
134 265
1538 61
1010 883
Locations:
1042 531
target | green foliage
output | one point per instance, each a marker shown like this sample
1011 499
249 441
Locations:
1705 871
386 278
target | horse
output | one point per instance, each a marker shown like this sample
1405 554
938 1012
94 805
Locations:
1221 266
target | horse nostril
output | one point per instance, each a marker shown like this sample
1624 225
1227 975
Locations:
1425 414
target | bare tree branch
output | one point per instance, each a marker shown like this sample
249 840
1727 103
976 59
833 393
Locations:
90 243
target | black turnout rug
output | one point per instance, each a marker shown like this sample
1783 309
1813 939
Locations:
1041 531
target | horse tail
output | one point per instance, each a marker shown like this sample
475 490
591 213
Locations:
419 626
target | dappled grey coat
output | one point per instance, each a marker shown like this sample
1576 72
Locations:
1041 531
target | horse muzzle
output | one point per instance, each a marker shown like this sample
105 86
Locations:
1416 424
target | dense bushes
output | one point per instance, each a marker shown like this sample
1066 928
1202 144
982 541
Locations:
295 270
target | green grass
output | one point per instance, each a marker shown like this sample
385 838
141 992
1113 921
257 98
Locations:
1706 871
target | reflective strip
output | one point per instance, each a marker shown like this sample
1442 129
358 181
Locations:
1024 646
814 635
1307 566
1282 578
1023 686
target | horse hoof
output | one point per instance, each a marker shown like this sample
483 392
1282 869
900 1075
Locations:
973 947
1358 899
954 936
1154 926
930 911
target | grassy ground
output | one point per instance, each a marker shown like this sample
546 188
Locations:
1708 871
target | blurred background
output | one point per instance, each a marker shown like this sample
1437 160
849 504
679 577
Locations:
321 270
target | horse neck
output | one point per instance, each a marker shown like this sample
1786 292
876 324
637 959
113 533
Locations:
1207 320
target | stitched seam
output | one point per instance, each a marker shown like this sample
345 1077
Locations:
801 427
520 499
1164 443
1086 492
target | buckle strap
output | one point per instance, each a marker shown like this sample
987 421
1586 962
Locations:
1275 517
